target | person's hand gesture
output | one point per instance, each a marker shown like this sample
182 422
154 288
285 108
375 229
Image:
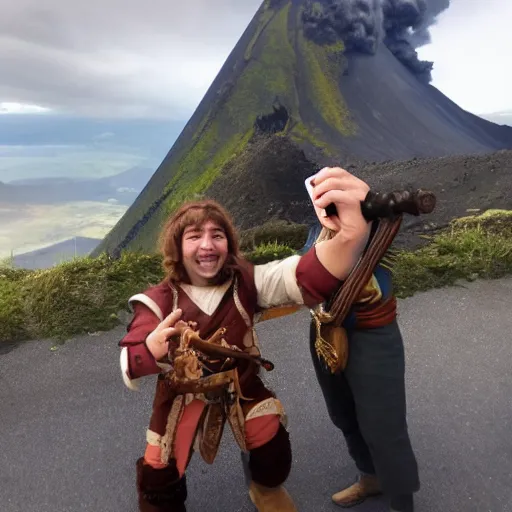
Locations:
336 185
158 341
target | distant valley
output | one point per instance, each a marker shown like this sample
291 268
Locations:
37 213
64 178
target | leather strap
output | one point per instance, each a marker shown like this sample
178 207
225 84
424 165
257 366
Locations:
352 287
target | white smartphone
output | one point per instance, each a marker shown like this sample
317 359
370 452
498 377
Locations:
309 187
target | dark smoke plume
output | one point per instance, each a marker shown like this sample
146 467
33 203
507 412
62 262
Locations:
358 21
402 25
399 16
421 35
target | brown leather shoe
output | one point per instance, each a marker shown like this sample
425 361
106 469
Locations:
267 499
366 486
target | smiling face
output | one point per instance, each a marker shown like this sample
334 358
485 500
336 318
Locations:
199 244
204 252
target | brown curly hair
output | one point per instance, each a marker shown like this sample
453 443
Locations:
196 213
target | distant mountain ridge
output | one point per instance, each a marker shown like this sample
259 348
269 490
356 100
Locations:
122 188
56 253
49 129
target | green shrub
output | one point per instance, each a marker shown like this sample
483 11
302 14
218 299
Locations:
471 248
268 252
285 233
13 325
76 297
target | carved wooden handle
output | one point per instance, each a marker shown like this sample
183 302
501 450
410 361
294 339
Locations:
219 352
388 206
378 206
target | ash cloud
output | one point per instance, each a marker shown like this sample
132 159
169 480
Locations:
402 25
400 17
357 21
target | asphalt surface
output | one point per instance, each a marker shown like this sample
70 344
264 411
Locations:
70 431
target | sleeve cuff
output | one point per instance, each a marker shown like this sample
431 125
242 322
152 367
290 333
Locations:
130 383
316 283
136 362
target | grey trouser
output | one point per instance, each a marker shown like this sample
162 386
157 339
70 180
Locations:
367 403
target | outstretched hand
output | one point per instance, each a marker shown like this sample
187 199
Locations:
158 341
338 186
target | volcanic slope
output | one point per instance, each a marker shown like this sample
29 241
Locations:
335 106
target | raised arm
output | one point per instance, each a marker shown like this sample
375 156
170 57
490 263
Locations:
298 280
312 278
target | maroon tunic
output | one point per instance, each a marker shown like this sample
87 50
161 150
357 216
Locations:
235 312
315 282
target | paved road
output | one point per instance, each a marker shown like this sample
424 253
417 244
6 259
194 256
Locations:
70 431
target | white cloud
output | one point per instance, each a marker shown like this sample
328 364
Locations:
471 49
19 108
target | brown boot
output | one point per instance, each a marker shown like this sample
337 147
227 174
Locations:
160 490
366 486
271 499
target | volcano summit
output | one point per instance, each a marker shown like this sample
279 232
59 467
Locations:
333 82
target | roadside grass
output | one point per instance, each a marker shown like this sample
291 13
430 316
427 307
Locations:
87 295
476 247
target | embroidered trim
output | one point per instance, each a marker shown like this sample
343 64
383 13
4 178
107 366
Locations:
266 407
174 298
254 351
239 305
153 438
149 302
248 338
167 441
256 340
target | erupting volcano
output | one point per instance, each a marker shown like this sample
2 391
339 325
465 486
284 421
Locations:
309 83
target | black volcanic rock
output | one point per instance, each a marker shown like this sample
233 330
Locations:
274 122
266 182
339 108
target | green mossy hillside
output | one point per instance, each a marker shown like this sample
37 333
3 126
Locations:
324 66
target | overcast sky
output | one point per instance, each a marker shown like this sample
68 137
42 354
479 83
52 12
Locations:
472 53
152 59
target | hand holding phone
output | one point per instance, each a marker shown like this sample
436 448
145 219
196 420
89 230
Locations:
336 196
330 210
